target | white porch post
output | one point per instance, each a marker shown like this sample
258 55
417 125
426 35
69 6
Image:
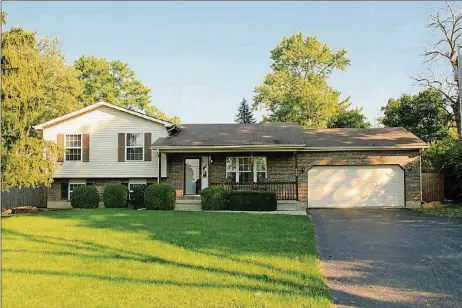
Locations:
159 169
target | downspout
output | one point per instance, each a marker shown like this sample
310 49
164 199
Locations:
159 159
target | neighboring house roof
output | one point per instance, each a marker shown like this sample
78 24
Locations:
95 106
347 138
287 135
234 135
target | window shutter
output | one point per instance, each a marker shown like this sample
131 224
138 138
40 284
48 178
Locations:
60 143
121 147
64 190
86 148
147 147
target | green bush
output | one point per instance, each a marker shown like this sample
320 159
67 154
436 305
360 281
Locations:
253 200
115 195
214 199
138 196
85 197
159 197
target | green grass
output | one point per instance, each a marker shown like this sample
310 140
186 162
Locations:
126 258
449 210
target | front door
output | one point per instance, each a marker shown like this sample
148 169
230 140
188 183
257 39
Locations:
192 176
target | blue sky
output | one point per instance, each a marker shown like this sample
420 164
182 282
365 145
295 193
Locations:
200 59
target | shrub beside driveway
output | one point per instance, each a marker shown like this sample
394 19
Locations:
126 258
450 210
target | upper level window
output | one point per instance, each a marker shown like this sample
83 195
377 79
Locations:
244 170
134 146
73 147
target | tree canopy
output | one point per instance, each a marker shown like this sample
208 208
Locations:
115 82
37 85
297 90
349 119
244 114
422 114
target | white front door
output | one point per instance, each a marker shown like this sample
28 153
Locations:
356 186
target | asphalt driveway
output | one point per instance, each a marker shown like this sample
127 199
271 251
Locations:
390 257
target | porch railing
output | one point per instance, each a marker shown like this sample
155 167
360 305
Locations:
283 190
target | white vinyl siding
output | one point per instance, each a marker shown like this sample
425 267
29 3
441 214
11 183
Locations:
103 125
356 186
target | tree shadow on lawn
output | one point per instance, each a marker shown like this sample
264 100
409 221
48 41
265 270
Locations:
216 235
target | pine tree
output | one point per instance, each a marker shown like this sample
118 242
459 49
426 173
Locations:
244 114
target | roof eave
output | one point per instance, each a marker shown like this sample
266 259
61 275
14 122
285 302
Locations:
228 148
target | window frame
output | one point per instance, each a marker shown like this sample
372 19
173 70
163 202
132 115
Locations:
135 182
127 147
74 182
66 148
236 171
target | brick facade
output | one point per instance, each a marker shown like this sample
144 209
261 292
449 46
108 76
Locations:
281 166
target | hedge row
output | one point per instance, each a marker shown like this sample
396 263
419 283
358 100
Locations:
218 198
154 197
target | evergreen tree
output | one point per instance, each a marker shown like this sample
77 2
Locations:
244 114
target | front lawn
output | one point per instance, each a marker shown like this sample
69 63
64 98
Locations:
127 258
454 209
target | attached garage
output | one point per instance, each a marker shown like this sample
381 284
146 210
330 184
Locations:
356 186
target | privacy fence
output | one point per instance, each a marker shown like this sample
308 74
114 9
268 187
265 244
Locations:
432 187
24 197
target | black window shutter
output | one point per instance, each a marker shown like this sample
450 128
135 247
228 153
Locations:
64 190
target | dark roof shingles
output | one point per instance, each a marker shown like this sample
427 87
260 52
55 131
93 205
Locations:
286 134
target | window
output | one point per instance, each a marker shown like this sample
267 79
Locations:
131 185
73 186
73 147
134 146
243 170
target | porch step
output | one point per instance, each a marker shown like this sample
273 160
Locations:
291 205
188 205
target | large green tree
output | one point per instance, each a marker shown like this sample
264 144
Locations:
115 82
244 114
422 114
37 85
297 90
352 118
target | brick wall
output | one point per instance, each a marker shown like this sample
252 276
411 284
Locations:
281 167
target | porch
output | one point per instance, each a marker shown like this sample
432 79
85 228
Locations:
267 171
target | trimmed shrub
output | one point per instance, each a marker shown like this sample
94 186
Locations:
159 197
138 196
214 198
253 200
115 195
85 197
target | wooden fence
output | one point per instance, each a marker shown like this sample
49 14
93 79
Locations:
24 197
432 187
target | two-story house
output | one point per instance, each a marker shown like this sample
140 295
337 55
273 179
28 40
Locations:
105 143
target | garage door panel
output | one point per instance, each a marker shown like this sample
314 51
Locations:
355 186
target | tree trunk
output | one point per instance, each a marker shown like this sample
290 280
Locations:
457 115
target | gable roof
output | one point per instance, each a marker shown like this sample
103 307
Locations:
94 107
287 135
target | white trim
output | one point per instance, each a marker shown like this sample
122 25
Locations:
135 182
364 148
81 147
126 147
227 148
95 106
74 181
254 167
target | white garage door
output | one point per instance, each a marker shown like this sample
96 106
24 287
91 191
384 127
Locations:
355 186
